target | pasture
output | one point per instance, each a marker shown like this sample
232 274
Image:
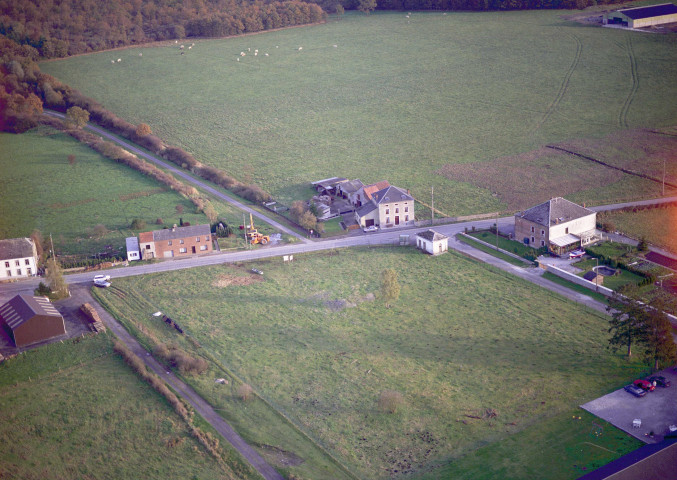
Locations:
76 410
477 354
657 225
408 100
43 190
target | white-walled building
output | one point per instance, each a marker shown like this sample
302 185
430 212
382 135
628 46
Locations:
18 258
133 252
432 242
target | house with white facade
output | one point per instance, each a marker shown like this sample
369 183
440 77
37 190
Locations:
133 252
389 207
18 258
558 224
432 242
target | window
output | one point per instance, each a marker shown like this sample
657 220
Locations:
28 262
542 232
169 242
197 239
6 264
397 210
203 247
532 229
532 240
542 243
18 272
181 241
17 262
406 209
387 211
182 250
207 238
9 272
148 246
29 271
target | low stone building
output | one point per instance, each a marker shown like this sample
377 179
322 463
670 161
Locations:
176 242
432 242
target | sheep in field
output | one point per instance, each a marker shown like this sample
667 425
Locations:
266 54
300 48
112 61
119 60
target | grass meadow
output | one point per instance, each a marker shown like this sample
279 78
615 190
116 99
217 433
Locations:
657 225
42 190
477 354
385 97
76 410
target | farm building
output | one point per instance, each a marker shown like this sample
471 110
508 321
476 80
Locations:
18 258
350 189
30 320
390 207
432 242
558 224
363 195
639 17
328 186
176 242
133 252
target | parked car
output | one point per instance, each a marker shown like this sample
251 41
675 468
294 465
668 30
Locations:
370 228
636 391
102 284
101 278
644 385
659 381
576 254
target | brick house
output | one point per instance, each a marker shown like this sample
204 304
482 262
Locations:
18 258
176 242
389 207
558 224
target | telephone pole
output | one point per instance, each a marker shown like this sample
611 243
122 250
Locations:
432 206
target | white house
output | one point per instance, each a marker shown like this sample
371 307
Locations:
133 252
389 207
432 242
18 258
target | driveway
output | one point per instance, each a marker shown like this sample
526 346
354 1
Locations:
657 410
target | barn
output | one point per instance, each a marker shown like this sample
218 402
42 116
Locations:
643 16
30 320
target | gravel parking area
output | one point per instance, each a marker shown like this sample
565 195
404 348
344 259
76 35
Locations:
657 410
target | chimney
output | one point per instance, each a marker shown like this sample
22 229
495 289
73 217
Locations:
174 228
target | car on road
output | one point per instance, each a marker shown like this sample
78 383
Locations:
660 381
645 385
103 284
636 391
370 228
101 278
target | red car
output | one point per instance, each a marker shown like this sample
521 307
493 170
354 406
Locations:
644 385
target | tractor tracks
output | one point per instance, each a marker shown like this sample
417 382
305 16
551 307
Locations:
625 108
564 85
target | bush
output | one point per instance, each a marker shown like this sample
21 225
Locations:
138 224
245 392
390 401
42 290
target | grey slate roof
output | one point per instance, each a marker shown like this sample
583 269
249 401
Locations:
391 194
16 248
554 211
650 11
351 186
22 308
432 235
181 232
132 244
366 208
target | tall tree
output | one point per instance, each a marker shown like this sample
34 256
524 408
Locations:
142 129
77 117
366 6
627 320
660 348
390 288
55 278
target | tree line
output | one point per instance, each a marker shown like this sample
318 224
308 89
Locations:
58 28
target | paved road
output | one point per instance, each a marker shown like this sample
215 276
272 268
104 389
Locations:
81 294
190 179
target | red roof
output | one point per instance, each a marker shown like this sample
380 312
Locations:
375 187
146 237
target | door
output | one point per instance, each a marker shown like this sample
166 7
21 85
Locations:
193 248
397 220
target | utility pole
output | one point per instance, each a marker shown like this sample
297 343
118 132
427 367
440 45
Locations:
432 206
244 227
664 176
496 231
52 242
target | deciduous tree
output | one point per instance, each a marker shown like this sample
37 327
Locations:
366 6
627 320
55 279
143 129
77 117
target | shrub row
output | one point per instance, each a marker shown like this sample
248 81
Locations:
153 380
180 359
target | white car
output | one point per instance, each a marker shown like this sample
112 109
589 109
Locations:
101 278
370 228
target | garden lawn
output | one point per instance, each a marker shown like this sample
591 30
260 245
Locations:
76 410
42 190
512 246
463 342
491 251
385 97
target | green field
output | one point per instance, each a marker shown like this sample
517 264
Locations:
76 410
462 339
397 99
41 190
657 225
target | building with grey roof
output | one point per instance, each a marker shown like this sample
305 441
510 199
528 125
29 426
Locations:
176 242
432 242
18 258
388 207
558 224
30 320
640 17
133 253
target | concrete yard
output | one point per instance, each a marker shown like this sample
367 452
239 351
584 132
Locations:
657 410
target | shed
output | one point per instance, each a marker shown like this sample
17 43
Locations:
30 320
594 277
432 242
133 252
639 17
